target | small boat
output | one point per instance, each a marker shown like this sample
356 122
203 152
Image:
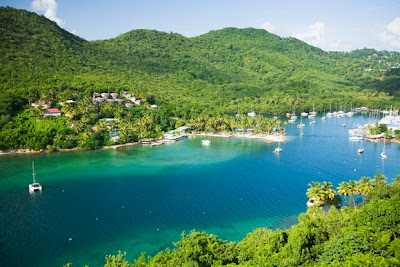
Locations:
312 202
313 112
35 186
304 114
278 149
360 150
300 125
312 122
323 118
343 125
356 137
205 142
291 121
157 143
293 117
251 114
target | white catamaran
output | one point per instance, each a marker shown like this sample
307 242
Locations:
35 186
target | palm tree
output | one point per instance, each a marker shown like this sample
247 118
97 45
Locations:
316 193
327 187
344 189
354 191
365 186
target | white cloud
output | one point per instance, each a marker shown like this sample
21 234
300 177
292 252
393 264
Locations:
314 36
391 34
50 9
268 26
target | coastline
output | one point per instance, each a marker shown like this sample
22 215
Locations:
31 151
268 137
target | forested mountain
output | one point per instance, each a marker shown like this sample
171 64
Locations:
221 72
224 68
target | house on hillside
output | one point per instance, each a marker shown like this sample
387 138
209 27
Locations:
52 112
114 95
128 105
153 107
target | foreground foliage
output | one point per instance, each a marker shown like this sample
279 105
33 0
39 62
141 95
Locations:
365 236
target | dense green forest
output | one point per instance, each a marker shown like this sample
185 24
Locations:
222 72
366 234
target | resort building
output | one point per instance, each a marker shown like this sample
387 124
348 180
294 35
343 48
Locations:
53 112
114 95
105 95
128 105
110 100
153 107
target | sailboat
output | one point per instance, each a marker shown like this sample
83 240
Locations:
383 154
278 149
313 112
361 149
35 186
301 124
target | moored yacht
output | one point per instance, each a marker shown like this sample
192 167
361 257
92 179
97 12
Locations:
278 149
205 142
35 186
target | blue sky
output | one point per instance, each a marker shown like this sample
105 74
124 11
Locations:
331 25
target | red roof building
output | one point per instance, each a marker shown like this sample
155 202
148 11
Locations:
52 112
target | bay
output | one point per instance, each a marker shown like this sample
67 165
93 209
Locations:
140 199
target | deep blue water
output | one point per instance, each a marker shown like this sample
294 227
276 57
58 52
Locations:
140 199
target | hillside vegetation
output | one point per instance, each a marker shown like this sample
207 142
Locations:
222 72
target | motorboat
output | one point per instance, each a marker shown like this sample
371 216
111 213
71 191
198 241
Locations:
205 142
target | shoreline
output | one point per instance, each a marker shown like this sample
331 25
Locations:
268 137
42 151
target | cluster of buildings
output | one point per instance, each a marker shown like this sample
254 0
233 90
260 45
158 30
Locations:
113 98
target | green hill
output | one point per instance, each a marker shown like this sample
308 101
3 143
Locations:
223 68
221 72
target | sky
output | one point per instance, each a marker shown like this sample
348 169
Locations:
332 25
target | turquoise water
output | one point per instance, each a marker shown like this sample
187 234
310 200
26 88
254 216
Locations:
141 198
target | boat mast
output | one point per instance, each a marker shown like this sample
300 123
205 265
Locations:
33 172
